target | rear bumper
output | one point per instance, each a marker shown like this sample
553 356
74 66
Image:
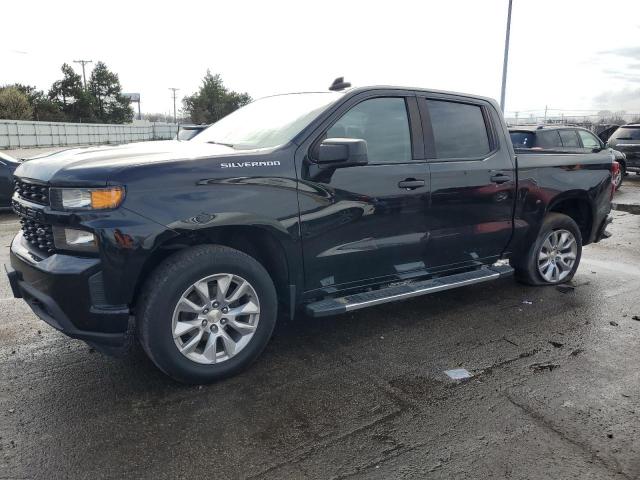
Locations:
632 161
61 290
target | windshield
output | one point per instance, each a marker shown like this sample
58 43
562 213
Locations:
268 122
626 133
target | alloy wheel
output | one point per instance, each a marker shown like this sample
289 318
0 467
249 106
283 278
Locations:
557 255
215 318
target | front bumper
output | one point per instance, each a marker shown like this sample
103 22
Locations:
66 292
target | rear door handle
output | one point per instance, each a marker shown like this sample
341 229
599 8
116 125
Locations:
411 184
500 178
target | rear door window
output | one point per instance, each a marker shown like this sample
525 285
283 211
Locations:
459 130
569 139
549 140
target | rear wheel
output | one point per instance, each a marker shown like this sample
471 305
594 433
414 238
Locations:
555 255
207 313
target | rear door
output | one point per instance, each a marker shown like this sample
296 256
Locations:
473 181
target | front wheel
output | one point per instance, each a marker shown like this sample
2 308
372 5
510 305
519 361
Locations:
555 255
206 313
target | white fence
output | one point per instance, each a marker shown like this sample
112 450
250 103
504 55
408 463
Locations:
23 134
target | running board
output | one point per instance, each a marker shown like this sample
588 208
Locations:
335 306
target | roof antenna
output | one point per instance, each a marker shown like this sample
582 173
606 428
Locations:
339 84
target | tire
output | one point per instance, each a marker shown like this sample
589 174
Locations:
168 320
528 271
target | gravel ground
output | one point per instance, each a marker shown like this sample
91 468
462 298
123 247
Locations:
555 392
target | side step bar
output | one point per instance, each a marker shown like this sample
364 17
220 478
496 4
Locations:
335 306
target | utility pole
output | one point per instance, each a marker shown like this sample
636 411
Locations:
506 59
517 117
545 114
84 76
174 90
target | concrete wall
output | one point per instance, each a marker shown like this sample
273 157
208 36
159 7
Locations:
27 134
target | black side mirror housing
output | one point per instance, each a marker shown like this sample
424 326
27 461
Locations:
342 152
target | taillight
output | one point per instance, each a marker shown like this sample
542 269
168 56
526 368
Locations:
615 173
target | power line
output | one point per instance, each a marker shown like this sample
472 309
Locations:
174 90
84 77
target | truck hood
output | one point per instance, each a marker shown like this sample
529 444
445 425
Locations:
95 165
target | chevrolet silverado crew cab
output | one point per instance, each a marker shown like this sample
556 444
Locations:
321 203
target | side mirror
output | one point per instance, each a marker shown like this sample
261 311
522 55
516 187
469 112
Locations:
342 152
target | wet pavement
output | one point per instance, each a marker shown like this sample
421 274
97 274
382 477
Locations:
555 391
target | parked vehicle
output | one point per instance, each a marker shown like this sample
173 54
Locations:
626 139
564 139
8 165
605 131
325 202
187 132
621 159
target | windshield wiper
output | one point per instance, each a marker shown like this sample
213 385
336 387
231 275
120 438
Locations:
221 143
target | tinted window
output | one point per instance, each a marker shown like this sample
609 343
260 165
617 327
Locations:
522 139
569 138
458 129
383 123
548 140
626 133
588 140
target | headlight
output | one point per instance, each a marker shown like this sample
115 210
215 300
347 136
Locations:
87 198
73 239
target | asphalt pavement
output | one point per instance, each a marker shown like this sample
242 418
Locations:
555 391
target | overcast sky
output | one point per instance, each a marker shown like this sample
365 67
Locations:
569 54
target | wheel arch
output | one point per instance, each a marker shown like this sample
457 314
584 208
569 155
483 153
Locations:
268 246
577 206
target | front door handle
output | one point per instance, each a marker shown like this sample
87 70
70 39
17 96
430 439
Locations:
500 178
411 184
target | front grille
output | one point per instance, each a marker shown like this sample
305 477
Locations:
32 192
39 235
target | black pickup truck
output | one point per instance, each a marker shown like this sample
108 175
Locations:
321 202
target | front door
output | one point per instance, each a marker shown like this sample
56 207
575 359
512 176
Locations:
367 224
473 181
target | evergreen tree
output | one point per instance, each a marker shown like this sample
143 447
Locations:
109 104
72 100
213 100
